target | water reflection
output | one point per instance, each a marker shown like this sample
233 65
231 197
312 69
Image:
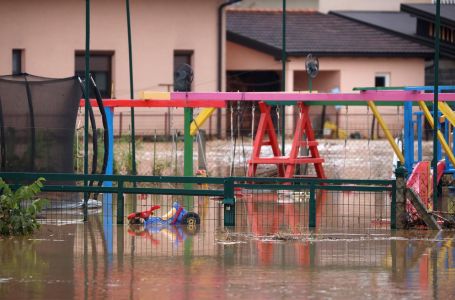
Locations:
90 261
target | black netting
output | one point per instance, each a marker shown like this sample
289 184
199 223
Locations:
38 117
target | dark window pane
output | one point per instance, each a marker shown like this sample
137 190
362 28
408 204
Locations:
103 83
180 58
379 81
17 61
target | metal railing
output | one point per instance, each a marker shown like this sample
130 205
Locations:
305 202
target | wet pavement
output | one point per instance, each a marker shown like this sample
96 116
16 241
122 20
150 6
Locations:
98 261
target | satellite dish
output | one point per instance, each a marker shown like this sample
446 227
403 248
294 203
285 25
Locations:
312 65
183 77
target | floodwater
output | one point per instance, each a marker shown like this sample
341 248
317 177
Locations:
97 260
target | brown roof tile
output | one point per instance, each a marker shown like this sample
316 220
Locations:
320 34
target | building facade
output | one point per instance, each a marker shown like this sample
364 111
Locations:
47 38
350 55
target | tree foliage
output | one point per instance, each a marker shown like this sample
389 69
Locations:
19 209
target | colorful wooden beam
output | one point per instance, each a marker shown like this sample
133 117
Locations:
440 136
157 103
386 131
295 96
218 99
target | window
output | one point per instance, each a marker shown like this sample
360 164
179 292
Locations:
100 68
17 61
182 57
382 80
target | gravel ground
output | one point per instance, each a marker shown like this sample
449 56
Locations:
356 159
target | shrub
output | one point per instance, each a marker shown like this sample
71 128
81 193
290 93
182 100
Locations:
15 217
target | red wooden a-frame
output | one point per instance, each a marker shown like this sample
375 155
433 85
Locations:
285 164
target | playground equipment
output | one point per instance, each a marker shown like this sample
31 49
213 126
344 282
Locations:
200 120
415 120
38 117
30 139
37 121
303 101
285 164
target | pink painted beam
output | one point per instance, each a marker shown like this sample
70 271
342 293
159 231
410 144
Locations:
157 103
284 96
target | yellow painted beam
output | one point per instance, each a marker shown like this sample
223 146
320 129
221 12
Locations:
200 119
447 111
441 138
386 130
150 95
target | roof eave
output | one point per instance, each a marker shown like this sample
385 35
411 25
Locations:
361 54
446 51
425 15
253 44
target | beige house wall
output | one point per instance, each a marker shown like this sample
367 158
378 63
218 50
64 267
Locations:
240 58
353 71
50 32
343 73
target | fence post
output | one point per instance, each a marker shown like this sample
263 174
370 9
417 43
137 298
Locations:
447 196
120 203
229 202
400 198
393 206
312 209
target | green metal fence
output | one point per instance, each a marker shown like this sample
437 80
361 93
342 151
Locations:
274 205
258 205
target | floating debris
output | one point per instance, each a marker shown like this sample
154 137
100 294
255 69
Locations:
227 243
5 280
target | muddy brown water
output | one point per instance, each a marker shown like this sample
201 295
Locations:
98 260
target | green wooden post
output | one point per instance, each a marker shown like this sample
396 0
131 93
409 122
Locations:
120 203
400 198
188 143
393 207
188 154
435 105
229 202
312 208
87 97
130 60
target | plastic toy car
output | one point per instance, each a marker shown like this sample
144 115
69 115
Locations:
139 217
177 215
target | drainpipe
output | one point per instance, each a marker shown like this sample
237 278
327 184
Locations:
220 59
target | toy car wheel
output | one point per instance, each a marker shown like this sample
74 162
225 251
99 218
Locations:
191 222
135 221
191 219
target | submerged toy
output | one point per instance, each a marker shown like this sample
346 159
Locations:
139 217
177 215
